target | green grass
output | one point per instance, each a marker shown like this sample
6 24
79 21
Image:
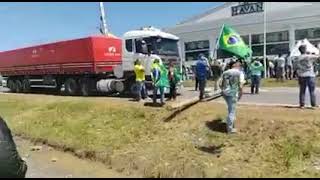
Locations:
132 138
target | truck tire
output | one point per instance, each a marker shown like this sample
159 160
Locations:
25 86
11 85
71 87
85 86
133 89
19 87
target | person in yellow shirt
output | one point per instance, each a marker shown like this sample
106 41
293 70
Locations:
140 80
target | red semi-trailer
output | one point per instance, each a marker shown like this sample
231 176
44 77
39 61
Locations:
78 64
95 64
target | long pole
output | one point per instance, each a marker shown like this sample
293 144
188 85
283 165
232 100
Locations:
265 39
103 19
217 42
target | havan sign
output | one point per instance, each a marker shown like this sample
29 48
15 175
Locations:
247 8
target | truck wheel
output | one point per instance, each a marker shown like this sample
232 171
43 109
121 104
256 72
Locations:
133 89
85 87
19 87
11 85
25 85
71 87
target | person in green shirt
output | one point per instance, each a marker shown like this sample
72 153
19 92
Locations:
140 80
156 76
174 77
256 69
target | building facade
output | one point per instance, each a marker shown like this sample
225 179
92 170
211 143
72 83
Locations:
286 23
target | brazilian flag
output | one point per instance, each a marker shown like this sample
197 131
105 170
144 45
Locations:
231 42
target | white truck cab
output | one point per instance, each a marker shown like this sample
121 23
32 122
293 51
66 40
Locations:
146 45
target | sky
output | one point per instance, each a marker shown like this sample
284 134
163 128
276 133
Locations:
31 23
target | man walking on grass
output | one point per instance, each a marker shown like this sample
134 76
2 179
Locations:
202 69
231 86
303 64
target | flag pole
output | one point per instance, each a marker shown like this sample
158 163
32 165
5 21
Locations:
217 41
265 39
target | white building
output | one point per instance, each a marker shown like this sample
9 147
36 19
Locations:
287 22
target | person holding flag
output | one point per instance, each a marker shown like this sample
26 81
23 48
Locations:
232 79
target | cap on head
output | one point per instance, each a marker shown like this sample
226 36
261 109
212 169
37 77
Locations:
200 55
137 62
156 61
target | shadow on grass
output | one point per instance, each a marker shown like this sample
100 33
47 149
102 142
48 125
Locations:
217 125
151 104
213 149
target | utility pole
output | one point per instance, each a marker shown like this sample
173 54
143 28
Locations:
103 20
265 39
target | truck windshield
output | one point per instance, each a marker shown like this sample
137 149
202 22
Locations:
165 46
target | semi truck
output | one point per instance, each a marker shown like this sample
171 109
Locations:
84 66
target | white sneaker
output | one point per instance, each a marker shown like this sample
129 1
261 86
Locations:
232 131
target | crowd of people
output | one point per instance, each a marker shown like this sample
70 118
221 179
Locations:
162 77
230 76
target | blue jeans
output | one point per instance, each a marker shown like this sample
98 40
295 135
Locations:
255 84
155 90
231 103
141 90
311 83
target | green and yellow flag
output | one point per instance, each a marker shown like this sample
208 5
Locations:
231 41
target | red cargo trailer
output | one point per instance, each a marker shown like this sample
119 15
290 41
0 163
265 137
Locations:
86 55
78 64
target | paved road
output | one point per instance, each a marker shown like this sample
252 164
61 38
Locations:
40 164
288 96
267 95
277 96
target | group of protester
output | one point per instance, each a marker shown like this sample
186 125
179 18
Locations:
162 77
281 68
233 78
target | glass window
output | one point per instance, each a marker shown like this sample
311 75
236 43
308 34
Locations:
310 33
195 45
316 33
257 50
278 36
275 49
129 45
301 34
272 49
138 45
223 54
257 39
245 39
143 45
193 56
165 46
